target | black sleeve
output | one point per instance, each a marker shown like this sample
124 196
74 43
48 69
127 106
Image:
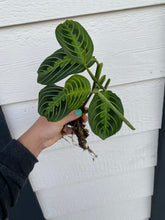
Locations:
16 162
5 136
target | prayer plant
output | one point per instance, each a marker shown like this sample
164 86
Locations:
105 112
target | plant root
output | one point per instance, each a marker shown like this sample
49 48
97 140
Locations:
82 133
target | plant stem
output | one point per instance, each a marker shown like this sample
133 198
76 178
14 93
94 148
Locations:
98 71
86 100
104 98
114 109
94 78
97 61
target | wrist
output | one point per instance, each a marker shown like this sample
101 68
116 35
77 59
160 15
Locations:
32 140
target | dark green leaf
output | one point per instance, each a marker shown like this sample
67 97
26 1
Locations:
52 103
103 121
77 89
75 41
58 66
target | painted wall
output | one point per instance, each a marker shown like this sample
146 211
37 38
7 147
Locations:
129 39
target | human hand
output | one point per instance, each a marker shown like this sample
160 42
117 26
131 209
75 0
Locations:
43 133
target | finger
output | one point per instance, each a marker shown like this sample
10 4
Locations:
72 116
67 130
84 118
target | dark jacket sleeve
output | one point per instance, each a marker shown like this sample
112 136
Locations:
16 162
5 136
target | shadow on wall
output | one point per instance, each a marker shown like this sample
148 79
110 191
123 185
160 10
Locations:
158 201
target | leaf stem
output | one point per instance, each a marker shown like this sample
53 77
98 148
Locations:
97 61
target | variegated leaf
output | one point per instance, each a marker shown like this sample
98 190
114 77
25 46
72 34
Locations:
103 121
52 103
58 66
75 41
77 89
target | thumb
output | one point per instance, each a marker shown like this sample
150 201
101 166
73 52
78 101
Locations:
73 115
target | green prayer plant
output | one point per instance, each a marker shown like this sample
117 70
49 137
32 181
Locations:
105 112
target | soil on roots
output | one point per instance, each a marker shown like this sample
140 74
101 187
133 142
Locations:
82 133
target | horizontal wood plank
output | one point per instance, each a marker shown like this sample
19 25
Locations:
136 209
143 104
57 201
19 12
116 156
123 41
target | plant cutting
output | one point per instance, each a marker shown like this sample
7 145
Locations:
105 112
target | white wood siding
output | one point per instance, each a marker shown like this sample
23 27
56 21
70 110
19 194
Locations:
129 43
129 39
19 12
137 98
115 211
96 193
141 151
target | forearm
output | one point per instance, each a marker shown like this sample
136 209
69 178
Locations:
33 140
41 135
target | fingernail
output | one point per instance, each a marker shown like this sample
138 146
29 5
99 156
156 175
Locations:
78 112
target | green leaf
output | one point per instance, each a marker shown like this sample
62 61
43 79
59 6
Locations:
58 66
75 41
112 106
52 103
77 89
103 121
